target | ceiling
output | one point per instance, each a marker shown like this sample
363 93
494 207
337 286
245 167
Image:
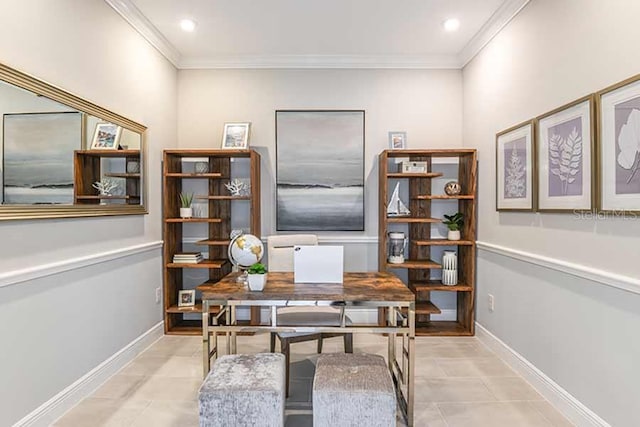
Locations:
318 33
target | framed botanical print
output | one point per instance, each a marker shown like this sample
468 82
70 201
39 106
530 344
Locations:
565 154
514 168
619 146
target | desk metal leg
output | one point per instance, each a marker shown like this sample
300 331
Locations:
228 334
391 320
233 334
410 371
206 347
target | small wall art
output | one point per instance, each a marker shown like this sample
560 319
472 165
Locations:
236 135
397 140
619 146
565 153
514 168
186 298
106 137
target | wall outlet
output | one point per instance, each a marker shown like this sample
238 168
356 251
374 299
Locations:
491 301
158 295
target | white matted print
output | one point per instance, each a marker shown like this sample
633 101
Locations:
514 168
564 157
619 146
236 135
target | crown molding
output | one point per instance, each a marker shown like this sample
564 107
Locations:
501 17
142 25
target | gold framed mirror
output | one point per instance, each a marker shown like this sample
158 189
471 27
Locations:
62 156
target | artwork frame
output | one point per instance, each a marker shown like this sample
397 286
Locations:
397 140
320 170
186 298
23 139
236 135
515 181
618 180
106 137
565 170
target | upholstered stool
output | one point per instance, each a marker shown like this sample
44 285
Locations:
244 390
353 390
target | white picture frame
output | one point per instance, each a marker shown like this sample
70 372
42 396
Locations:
106 137
515 166
397 140
236 135
186 298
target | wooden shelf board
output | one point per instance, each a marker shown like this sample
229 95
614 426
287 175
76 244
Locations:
414 174
444 197
443 242
213 242
193 220
193 309
207 263
411 219
106 197
436 285
223 197
209 153
110 153
442 328
415 264
444 152
427 307
193 175
122 175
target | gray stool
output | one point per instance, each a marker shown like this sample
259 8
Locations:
353 390
244 390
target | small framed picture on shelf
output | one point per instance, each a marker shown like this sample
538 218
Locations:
397 140
106 137
514 168
619 147
565 153
186 298
236 135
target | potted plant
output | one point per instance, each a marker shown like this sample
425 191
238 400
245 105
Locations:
185 205
454 224
257 276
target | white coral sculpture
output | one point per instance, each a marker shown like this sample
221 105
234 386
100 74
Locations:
629 144
237 188
515 180
566 156
105 186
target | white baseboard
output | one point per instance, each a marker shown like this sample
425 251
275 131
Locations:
58 405
564 402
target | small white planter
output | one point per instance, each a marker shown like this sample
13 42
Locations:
257 281
453 235
186 212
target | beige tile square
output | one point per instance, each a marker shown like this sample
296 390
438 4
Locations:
169 414
172 345
551 414
482 367
428 416
103 412
166 388
428 368
120 387
492 414
448 350
514 388
451 390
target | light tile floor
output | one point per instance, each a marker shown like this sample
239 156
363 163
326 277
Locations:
459 383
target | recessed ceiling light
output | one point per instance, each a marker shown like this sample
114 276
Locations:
188 25
451 24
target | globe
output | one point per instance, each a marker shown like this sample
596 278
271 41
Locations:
245 250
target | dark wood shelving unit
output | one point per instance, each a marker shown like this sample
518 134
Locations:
88 168
420 263
178 166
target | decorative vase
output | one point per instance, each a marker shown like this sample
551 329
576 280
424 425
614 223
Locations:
133 166
452 188
397 245
202 167
257 281
186 212
450 268
453 235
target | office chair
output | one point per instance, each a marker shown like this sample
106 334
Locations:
280 258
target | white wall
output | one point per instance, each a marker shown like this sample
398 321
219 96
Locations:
58 328
572 329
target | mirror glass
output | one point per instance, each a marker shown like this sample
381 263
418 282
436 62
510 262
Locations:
62 156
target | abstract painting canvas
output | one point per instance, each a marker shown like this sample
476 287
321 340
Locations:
620 146
514 160
38 157
565 152
320 170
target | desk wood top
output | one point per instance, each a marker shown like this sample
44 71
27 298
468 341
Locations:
371 286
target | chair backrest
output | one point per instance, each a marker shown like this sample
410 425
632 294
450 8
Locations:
280 249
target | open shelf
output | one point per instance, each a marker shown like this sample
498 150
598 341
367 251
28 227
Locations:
180 220
436 285
412 219
443 197
223 197
207 263
442 328
443 242
194 175
414 174
427 307
122 175
107 197
197 308
415 263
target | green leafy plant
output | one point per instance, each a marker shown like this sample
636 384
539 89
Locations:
185 199
454 222
257 268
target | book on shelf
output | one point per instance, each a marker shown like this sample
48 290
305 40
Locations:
187 257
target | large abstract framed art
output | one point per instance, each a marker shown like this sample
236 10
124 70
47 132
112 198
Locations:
320 170
514 168
565 155
619 146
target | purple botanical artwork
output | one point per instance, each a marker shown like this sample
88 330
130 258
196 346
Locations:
565 158
627 117
515 169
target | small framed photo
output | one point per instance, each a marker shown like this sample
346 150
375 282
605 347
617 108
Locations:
514 168
565 153
236 135
186 298
619 147
106 137
397 140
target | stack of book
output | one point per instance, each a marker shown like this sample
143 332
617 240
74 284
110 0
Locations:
187 258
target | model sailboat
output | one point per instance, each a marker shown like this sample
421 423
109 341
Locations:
395 206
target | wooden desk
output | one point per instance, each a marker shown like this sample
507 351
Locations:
359 290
